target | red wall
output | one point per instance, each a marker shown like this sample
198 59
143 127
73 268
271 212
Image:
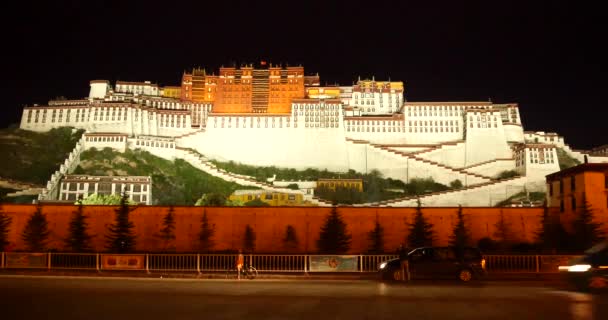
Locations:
269 224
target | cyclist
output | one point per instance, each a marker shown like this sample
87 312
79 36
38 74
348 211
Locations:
240 262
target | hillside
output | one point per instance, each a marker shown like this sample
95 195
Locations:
173 183
32 157
375 187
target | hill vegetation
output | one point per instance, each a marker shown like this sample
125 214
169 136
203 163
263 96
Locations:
33 157
173 182
565 161
375 187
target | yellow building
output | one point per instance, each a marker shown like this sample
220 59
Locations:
346 183
569 188
172 92
275 199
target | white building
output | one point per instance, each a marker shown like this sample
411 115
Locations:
73 187
368 126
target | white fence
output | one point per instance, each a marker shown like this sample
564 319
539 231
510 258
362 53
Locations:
266 263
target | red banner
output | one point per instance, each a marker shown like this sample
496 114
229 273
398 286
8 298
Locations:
123 261
25 260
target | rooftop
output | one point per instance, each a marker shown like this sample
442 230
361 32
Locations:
585 167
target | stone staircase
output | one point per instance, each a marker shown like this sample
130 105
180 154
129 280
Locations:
435 166
434 198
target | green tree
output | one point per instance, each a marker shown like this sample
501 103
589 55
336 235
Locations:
460 237
290 242
249 239
503 233
104 199
5 222
212 200
376 239
121 237
205 237
586 232
420 231
78 239
334 238
551 234
456 184
256 203
36 233
167 232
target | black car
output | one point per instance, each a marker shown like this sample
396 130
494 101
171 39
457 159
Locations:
589 272
436 263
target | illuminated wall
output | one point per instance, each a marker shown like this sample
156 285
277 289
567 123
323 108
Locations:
269 224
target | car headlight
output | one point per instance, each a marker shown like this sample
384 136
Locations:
576 268
382 265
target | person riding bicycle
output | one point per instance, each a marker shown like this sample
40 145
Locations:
240 262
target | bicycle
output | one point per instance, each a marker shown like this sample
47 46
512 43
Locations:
247 272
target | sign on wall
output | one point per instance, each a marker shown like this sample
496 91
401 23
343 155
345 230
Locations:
26 260
333 263
122 261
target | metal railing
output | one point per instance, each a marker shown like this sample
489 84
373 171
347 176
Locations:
268 263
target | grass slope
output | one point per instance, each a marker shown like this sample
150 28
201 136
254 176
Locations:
32 157
173 183
375 187
565 160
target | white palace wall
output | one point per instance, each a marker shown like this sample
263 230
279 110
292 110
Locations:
273 140
485 138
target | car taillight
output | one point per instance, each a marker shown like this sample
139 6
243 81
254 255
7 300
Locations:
483 264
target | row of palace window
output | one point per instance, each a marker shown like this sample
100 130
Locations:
373 129
433 129
373 122
173 121
358 95
433 113
103 187
318 113
436 123
105 139
154 144
324 118
56 115
316 107
111 114
483 125
321 125
135 89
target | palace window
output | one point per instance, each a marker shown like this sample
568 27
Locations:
572 184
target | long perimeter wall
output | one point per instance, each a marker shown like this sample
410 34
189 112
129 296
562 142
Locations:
269 224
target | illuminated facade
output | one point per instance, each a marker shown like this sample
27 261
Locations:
271 115
570 190
332 184
271 198
264 89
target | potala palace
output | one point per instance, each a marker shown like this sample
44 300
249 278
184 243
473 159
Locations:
273 115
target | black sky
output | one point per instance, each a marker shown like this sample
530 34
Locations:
548 57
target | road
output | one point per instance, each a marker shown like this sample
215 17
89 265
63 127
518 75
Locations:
25 297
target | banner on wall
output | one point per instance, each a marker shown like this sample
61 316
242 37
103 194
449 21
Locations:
123 261
333 263
25 260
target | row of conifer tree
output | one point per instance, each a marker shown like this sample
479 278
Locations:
334 237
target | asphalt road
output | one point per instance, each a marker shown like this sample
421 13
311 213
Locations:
24 297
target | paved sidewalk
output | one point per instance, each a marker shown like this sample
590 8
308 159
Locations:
506 277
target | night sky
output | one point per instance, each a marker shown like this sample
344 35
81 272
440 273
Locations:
546 57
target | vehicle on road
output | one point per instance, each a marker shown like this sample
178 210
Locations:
589 272
464 264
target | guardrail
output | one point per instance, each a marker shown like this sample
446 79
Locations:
269 263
